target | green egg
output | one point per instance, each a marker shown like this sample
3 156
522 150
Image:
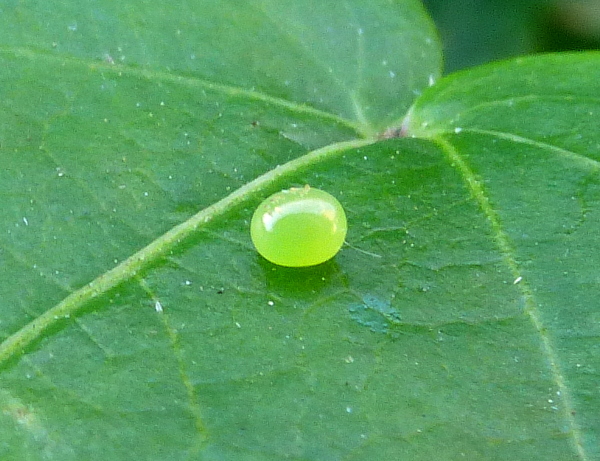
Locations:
299 227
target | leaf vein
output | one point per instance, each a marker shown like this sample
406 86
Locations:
531 308
190 81
532 142
202 432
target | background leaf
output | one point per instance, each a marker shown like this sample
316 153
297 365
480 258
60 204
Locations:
475 33
121 122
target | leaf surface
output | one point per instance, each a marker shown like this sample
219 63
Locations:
523 135
138 139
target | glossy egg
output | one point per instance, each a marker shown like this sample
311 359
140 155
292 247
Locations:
299 227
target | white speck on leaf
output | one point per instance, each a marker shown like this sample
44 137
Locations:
517 280
158 307
25 221
457 129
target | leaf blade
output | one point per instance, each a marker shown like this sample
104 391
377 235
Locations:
511 152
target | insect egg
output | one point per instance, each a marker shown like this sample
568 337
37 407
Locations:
299 227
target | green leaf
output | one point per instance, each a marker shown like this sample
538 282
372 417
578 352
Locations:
140 323
524 137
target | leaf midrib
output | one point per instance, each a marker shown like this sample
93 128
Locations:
145 257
